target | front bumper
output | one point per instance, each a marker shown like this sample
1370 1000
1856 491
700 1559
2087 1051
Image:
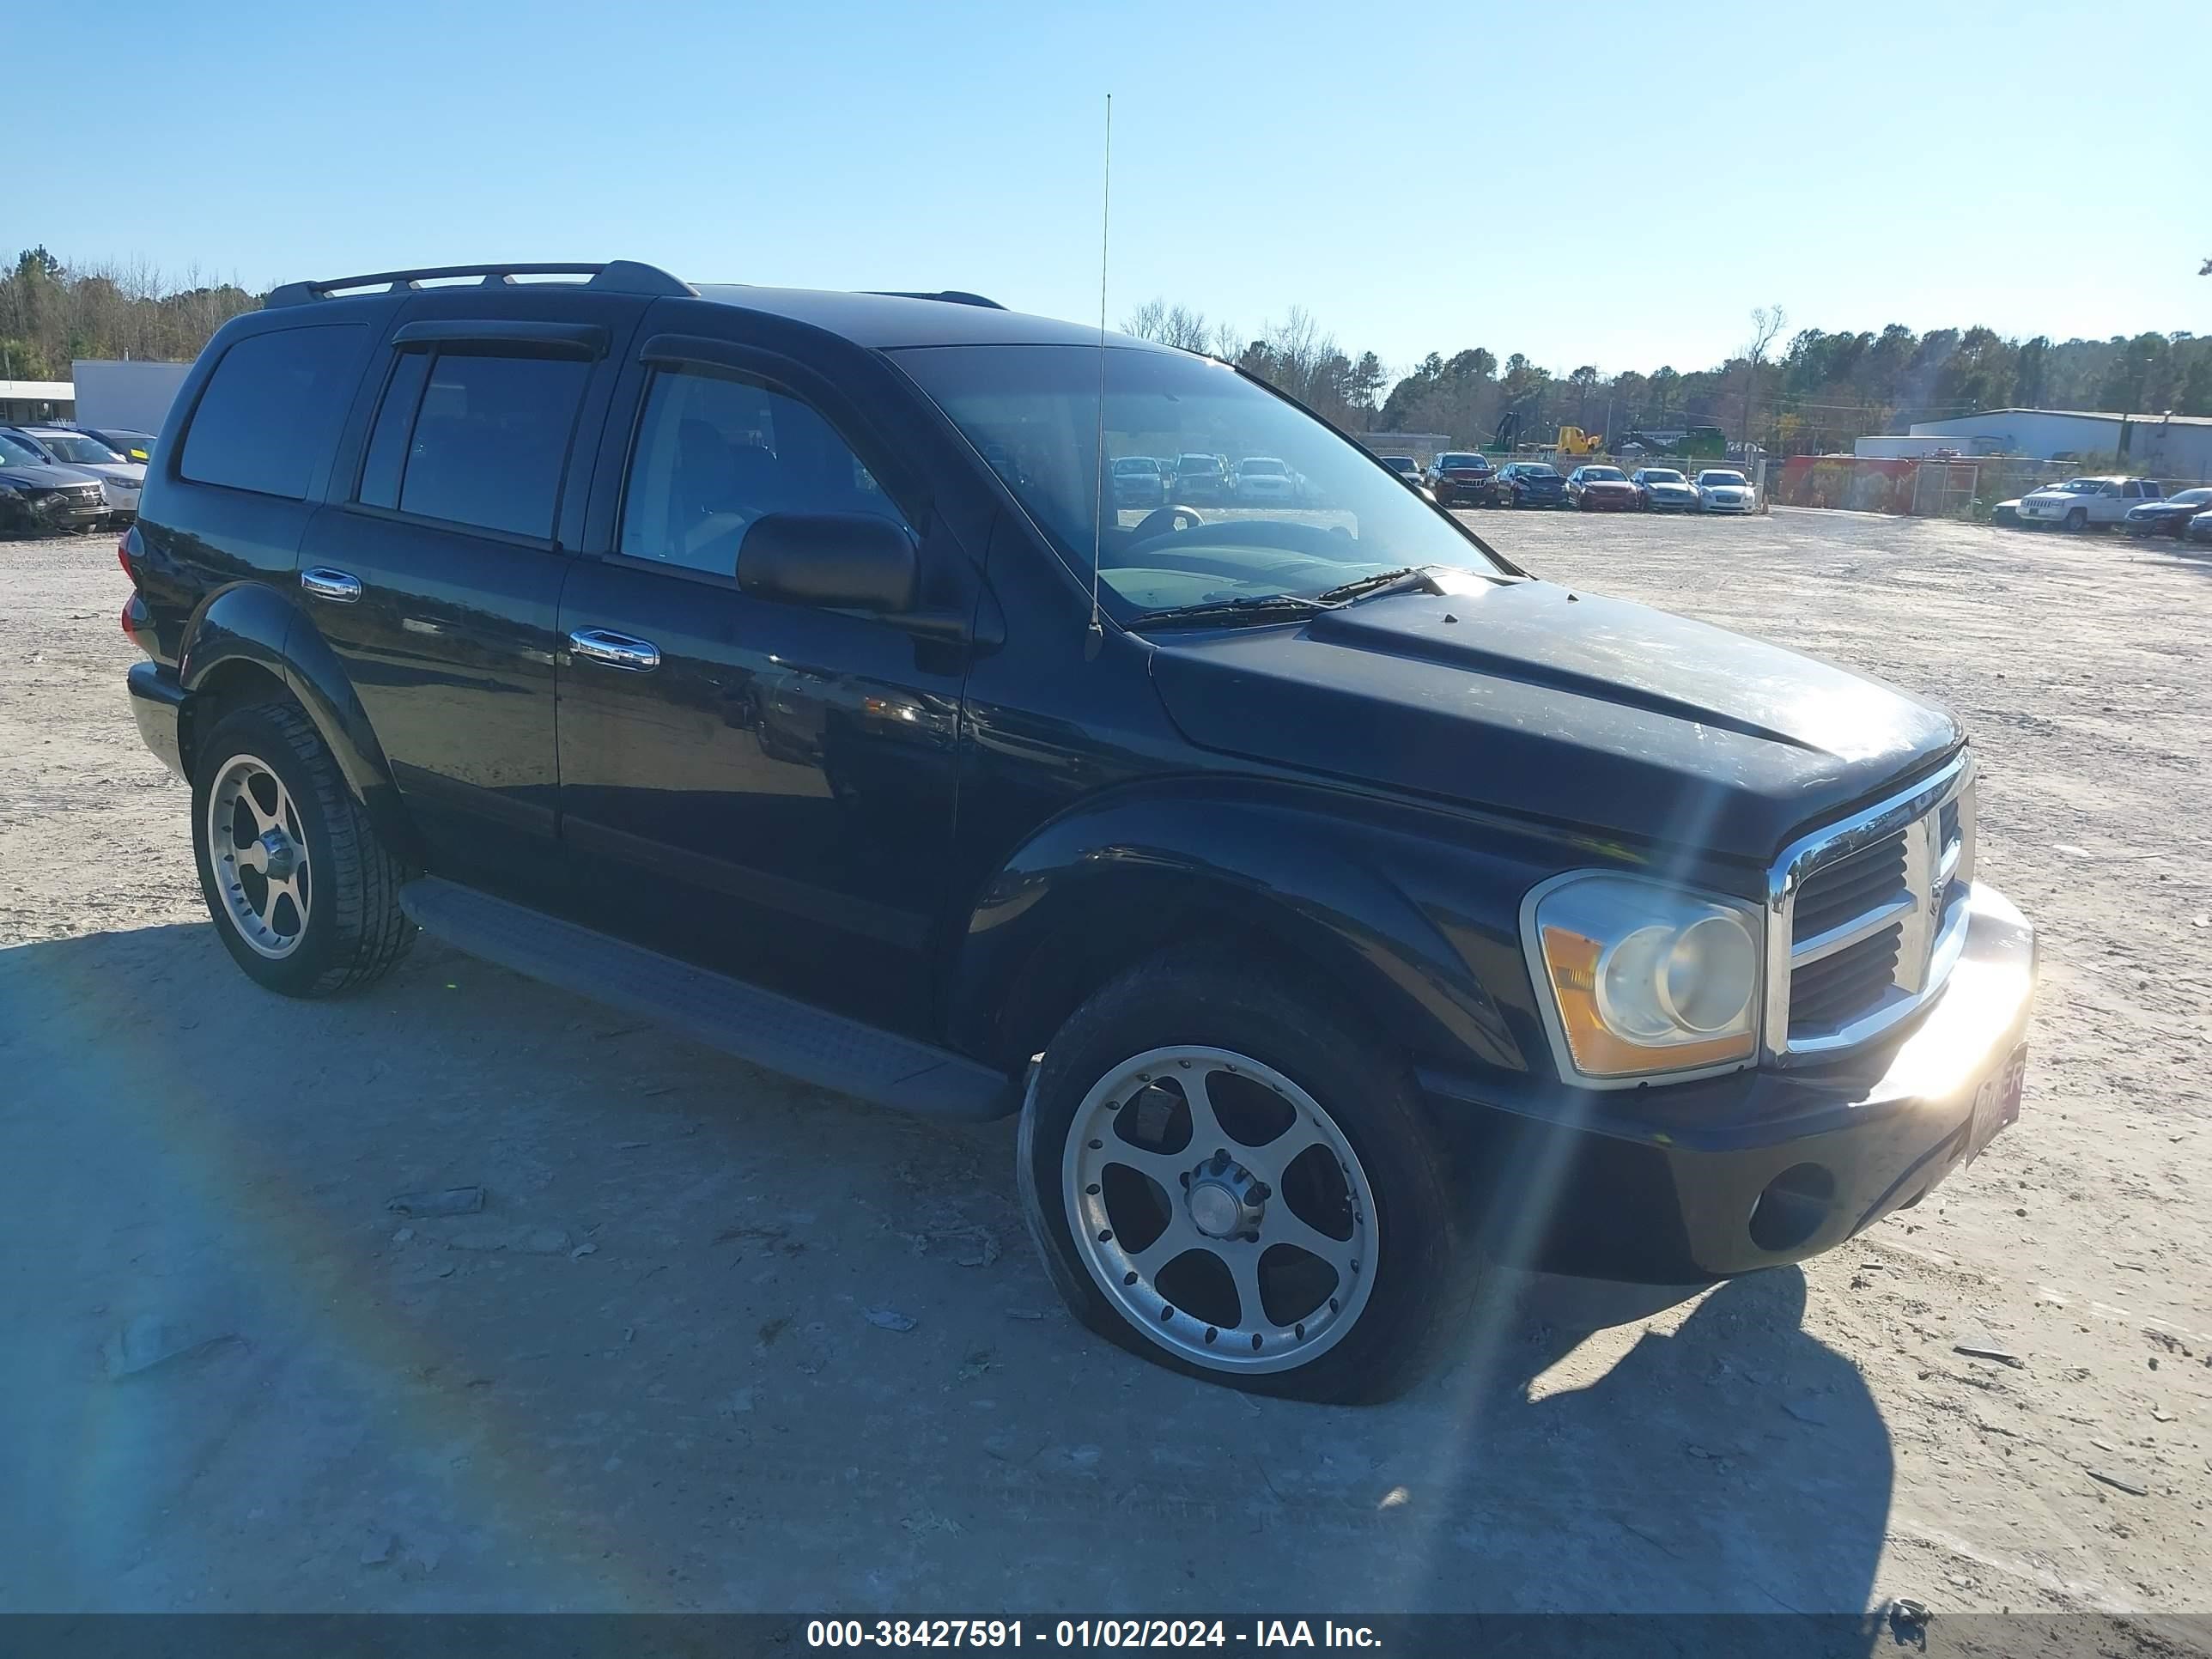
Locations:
156 701
58 512
1680 1185
1728 506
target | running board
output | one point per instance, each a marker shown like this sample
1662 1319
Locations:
771 1030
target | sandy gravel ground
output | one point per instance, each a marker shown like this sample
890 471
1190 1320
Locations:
644 1377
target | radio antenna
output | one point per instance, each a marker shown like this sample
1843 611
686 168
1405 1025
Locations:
1097 636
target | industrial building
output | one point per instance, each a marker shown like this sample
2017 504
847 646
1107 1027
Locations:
2176 446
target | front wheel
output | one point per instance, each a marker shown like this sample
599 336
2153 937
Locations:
2078 519
305 897
1223 1181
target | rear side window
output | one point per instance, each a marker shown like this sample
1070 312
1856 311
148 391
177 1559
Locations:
271 410
475 439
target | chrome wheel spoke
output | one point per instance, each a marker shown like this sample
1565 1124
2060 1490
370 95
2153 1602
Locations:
1166 1168
1243 1266
1178 1236
1273 1160
1206 1133
1281 1227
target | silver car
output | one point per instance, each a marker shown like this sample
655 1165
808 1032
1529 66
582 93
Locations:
1724 490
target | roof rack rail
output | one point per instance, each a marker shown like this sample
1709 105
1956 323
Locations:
615 277
953 296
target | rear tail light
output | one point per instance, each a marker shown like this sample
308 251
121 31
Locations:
124 550
135 623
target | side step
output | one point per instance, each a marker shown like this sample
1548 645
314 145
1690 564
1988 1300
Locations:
771 1030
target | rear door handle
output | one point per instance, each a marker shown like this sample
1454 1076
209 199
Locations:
324 583
616 650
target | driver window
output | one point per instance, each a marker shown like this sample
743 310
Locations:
716 450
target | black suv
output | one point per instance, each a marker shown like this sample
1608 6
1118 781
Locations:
1341 908
1462 478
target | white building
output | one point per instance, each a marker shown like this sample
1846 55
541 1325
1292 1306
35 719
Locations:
25 403
2173 446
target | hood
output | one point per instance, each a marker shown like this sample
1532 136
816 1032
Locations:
1582 710
2055 495
45 476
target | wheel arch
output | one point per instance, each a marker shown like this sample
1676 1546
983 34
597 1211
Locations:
247 641
1299 887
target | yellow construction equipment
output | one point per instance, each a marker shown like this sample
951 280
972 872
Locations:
1573 440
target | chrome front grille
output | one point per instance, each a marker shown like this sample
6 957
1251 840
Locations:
1866 918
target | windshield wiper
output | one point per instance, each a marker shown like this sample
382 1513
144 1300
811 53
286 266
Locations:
1252 607
1383 581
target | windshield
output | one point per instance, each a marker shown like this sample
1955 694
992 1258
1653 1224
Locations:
1476 462
2078 486
1721 478
1194 463
1660 475
1401 463
1262 469
75 447
1040 404
1603 475
1538 470
1136 464
14 452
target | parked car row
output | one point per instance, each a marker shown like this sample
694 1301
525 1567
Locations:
1468 478
55 478
2139 506
1147 481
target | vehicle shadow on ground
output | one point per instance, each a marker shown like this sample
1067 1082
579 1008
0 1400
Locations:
715 1340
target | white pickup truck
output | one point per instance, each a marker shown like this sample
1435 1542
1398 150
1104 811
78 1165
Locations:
2080 502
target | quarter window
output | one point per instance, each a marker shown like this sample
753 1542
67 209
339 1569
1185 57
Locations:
271 410
489 439
717 450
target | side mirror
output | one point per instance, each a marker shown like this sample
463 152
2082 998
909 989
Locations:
839 561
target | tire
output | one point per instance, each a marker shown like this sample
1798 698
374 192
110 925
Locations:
1203 1019
266 765
2078 519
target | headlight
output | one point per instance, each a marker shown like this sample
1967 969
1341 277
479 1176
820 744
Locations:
1643 979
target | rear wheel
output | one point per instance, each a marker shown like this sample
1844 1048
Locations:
1224 1182
304 896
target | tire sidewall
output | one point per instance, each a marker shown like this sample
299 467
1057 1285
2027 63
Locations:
254 731
1418 1255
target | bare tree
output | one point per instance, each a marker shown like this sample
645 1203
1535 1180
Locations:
1766 323
1177 325
1149 321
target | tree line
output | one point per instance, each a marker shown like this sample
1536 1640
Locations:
51 314
1811 393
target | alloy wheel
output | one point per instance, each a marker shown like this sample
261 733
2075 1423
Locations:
1220 1209
257 850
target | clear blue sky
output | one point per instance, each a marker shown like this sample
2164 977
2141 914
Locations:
1584 183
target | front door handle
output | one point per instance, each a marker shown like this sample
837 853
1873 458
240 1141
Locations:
324 583
616 650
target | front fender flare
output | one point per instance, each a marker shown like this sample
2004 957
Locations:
249 622
1323 887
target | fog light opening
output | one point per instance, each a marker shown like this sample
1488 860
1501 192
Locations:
1792 1207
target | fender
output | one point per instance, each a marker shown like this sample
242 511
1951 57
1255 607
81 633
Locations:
250 623
1362 898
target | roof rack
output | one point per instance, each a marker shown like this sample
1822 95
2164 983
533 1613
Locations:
952 296
615 277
